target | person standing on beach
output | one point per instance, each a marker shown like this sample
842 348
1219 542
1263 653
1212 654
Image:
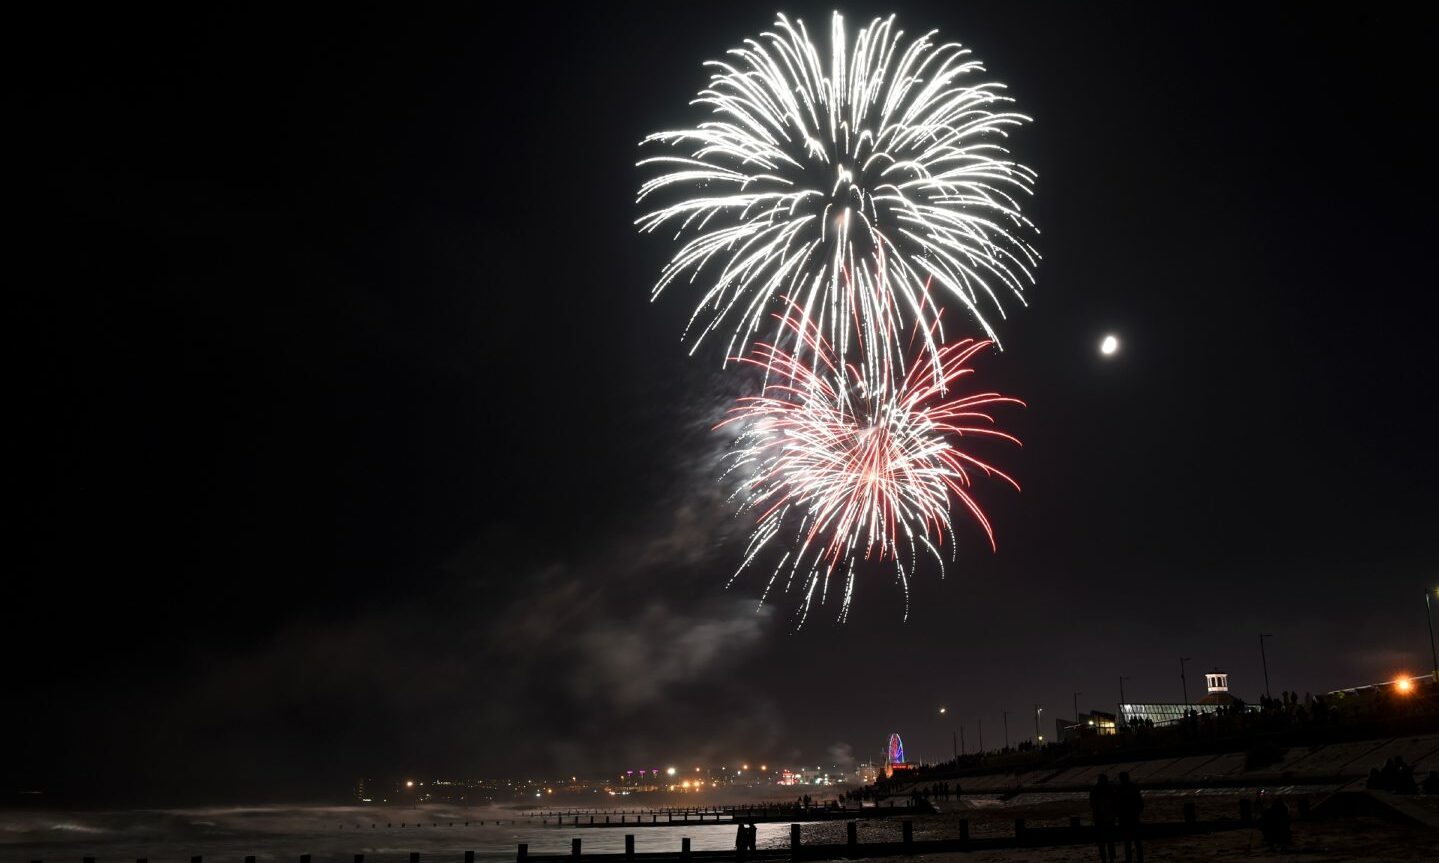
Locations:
1101 807
1128 804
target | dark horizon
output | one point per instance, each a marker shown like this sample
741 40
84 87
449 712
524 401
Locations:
351 444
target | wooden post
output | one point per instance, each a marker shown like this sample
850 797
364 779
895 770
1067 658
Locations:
469 857
1189 812
414 857
964 829
630 845
575 847
851 838
1246 810
685 848
248 859
794 841
522 853
1019 829
304 858
359 858
908 827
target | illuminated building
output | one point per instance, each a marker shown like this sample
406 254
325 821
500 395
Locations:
1217 682
1088 724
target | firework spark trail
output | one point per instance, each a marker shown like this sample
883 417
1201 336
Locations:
856 466
848 188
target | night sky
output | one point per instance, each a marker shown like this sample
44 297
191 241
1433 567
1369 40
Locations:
349 443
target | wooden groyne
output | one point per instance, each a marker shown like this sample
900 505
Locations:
1023 836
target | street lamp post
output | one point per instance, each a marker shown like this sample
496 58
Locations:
1038 738
1182 681
1429 619
952 739
1005 714
1265 659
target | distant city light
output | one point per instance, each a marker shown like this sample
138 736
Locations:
1404 684
409 783
669 771
944 710
1109 346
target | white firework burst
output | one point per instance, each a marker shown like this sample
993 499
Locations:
848 187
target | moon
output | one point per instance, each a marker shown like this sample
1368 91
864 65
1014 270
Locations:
1109 346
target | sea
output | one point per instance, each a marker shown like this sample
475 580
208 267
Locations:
330 834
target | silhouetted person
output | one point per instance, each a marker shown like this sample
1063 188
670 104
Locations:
741 841
1128 804
1274 826
752 835
1404 777
1101 807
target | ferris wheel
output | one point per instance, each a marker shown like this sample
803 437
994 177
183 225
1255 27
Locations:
894 752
